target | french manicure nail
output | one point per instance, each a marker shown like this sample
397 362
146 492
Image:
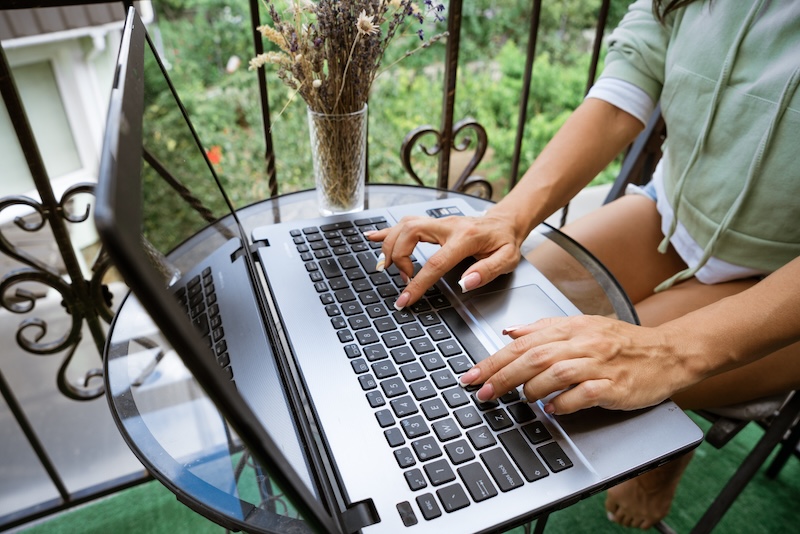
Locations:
469 377
485 393
368 233
401 301
469 282
507 330
381 262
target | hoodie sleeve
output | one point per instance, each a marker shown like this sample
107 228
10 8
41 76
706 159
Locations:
637 49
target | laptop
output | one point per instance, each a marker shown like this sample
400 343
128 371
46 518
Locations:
352 408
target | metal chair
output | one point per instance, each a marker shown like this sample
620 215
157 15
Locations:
777 415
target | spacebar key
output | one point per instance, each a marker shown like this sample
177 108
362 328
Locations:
464 334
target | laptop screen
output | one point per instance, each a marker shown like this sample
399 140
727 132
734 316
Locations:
161 212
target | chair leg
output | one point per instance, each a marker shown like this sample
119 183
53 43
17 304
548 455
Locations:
747 470
788 448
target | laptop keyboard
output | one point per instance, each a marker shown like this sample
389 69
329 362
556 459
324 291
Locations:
451 448
199 300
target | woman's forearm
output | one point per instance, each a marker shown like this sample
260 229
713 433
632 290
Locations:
587 142
742 328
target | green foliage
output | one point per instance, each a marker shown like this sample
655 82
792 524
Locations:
199 37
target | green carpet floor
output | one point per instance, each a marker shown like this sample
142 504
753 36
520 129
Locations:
766 506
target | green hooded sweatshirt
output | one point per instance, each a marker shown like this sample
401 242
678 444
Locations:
726 73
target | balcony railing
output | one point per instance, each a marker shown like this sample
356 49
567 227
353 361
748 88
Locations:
85 297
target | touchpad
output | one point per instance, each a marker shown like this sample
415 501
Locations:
514 306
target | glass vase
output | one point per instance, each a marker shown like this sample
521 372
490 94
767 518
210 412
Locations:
339 154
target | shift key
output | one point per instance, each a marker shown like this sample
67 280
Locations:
527 461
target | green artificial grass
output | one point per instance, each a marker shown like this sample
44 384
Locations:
765 506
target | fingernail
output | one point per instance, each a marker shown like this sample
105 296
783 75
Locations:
610 517
469 282
370 232
469 377
507 330
381 262
522 395
549 408
404 277
485 393
401 301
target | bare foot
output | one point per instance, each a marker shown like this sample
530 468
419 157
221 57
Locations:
645 500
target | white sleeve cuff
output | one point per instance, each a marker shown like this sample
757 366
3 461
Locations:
624 95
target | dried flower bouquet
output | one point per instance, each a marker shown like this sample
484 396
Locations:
331 51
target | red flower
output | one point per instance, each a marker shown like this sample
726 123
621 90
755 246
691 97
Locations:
214 154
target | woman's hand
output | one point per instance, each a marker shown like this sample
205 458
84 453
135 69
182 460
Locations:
492 240
591 360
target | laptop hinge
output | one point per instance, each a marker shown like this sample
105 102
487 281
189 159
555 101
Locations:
359 515
253 248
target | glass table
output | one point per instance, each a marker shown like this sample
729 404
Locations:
178 434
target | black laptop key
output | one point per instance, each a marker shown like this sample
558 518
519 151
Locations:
384 369
358 322
423 389
443 379
521 412
345 336
393 387
415 426
459 451
498 419
453 498
367 382
522 454
478 483
367 336
375 398
448 348
352 350
330 268
403 316
446 429
537 433
481 437
468 417
432 362
384 418
384 324
394 437
415 479
405 458
368 297
426 448
387 291
344 295
455 397
402 355
359 366
464 334
428 506
501 469
422 346
487 405
434 409
439 472
351 308
412 371
403 406
393 339
367 260
460 364
375 353
377 310
555 457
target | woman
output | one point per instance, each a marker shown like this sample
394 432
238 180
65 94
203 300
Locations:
708 251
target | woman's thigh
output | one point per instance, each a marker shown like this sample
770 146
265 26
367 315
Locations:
776 373
624 235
